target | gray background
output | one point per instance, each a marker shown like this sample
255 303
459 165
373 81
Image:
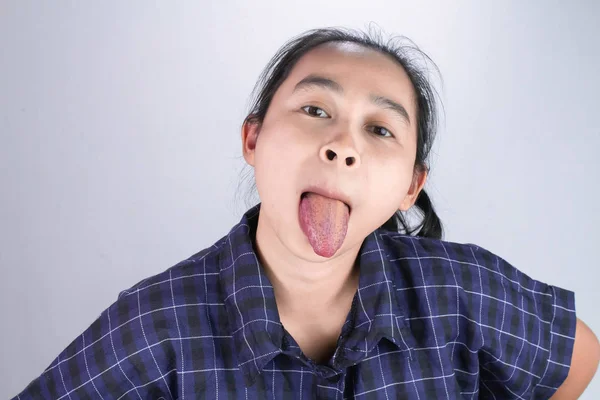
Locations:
120 152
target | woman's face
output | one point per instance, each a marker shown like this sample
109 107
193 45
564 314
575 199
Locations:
347 101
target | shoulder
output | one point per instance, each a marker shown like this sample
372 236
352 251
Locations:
185 282
521 328
160 307
419 248
467 265
482 278
142 330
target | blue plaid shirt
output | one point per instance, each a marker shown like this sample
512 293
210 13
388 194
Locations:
431 320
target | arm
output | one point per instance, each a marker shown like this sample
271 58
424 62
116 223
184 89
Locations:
586 355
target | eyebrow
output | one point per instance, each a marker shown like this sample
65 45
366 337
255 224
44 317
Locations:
317 81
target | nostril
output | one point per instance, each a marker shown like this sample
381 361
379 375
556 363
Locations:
349 161
330 155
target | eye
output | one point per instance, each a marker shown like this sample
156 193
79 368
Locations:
381 131
315 111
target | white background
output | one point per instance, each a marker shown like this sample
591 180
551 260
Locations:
120 152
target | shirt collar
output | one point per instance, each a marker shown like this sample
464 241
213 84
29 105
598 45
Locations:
254 320
376 313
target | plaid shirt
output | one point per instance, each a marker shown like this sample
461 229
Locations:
431 320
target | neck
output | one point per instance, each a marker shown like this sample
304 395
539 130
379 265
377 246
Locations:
300 284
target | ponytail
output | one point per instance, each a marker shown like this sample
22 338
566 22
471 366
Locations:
430 226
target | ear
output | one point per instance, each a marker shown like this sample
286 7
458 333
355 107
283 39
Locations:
250 131
419 179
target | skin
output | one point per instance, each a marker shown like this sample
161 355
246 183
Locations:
584 363
288 153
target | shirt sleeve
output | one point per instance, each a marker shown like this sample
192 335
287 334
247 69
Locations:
110 359
527 331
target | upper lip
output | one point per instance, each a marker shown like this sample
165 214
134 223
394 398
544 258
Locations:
331 193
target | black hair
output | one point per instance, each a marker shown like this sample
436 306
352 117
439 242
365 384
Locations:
406 55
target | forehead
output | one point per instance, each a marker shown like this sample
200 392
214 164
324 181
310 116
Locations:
357 69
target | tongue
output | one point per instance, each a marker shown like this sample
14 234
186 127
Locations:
324 221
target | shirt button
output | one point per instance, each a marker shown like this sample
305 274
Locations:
326 372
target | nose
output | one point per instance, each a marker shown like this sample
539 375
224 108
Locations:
345 155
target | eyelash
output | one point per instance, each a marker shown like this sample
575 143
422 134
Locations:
318 108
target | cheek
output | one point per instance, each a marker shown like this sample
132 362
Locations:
389 180
277 147
277 161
